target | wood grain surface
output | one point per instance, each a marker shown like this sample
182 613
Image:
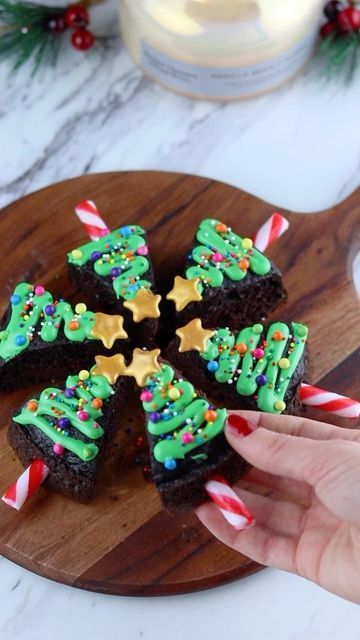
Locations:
124 543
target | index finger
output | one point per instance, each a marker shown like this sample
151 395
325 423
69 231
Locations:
299 426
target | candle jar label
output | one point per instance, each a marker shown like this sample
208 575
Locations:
225 82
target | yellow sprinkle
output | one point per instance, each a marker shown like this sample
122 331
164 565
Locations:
80 308
279 405
246 243
84 374
284 363
174 393
77 254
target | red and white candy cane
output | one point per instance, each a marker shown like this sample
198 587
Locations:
90 217
328 401
233 509
26 485
270 231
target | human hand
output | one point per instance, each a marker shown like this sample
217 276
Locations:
309 461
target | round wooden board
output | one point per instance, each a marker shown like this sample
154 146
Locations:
124 543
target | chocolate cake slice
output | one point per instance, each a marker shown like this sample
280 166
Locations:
116 270
70 428
185 434
38 330
226 281
256 368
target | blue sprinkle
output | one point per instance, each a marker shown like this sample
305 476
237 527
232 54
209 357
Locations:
15 299
20 341
170 464
132 288
212 365
199 440
125 231
168 438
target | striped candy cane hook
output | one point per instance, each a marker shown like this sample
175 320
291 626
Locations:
228 502
328 401
88 214
270 231
26 485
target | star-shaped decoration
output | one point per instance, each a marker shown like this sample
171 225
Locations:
143 365
108 329
111 368
193 336
144 305
184 291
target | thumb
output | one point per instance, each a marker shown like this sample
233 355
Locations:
331 467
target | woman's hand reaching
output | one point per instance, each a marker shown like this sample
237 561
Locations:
315 463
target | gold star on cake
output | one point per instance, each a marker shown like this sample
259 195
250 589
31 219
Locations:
193 336
144 305
184 291
143 365
111 368
108 329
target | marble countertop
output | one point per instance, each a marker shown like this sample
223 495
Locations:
298 148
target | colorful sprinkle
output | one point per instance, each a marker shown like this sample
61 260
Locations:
97 403
170 464
258 353
73 325
80 308
39 290
212 365
210 415
247 243
32 405
20 341
280 405
77 254
284 363
187 437
146 396
261 379
15 299
143 250
50 309
83 415
241 348
84 374
174 393
58 449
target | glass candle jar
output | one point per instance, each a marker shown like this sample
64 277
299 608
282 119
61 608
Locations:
220 49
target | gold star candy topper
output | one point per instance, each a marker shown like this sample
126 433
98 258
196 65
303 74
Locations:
144 305
143 365
111 368
108 329
184 291
193 336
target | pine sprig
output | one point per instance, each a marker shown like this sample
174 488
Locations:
24 34
340 47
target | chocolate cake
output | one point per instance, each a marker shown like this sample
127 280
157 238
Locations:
116 270
256 368
185 434
70 428
226 280
38 331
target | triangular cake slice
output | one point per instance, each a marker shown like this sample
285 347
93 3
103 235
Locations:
70 428
226 280
117 270
186 439
257 368
42 336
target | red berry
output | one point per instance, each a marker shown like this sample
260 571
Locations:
328 28
332 9
82 39
76 16
349 19
55 24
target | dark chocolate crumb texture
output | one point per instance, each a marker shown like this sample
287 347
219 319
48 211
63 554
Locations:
38 330
256 368
187 444
70 428
226 280
116 269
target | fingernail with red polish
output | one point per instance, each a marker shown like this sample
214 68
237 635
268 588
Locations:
238 426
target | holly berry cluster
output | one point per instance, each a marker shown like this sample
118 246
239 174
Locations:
75 17
341 19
